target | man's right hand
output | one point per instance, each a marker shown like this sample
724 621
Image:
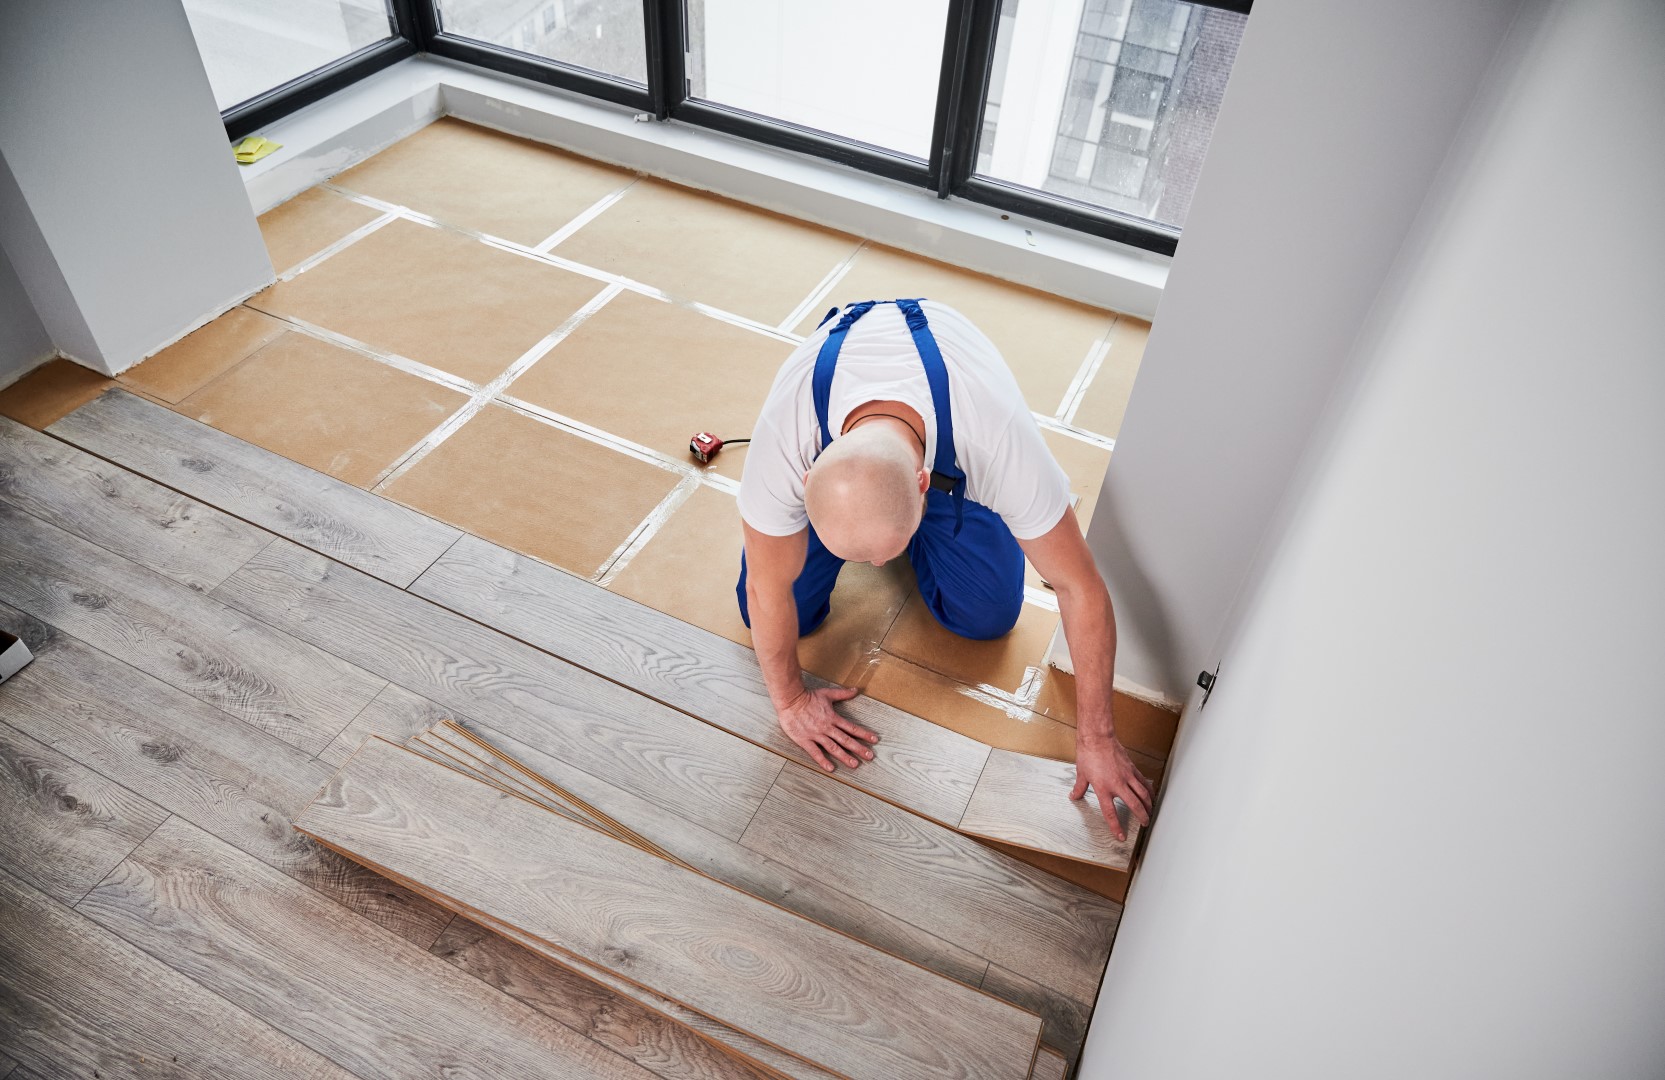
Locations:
809 721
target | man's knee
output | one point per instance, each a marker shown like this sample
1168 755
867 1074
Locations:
984 620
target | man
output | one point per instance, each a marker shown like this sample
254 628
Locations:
898 428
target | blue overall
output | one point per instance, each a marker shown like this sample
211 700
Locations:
968 564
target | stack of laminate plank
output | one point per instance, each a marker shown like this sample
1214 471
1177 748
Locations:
460 822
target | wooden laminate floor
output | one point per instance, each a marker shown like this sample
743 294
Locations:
211 646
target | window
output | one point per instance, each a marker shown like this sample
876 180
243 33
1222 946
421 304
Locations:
1135 98
253 46
603 36
1091 114
863 70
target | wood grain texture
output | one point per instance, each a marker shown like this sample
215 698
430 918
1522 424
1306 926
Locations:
1039 926
598 726
370 1002
1020 800
63 826
193 544
310 508
1063 1019
926 768
883 924
395 714
633 1031
194 761
287 687
80 1002
810 990
750 1052
1049 1065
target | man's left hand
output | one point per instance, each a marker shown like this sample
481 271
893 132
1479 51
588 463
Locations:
1103 765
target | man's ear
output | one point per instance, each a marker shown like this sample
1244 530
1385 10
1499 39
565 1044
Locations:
924 480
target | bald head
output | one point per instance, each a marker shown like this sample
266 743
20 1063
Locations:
865 493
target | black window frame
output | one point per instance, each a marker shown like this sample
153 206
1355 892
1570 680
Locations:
950 172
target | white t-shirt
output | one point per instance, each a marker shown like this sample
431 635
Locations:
1007 465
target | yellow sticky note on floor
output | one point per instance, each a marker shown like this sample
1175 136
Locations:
255 147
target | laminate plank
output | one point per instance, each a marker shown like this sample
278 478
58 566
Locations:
65 826
1020 800
360 529
193 544
598 726
194 761
1025 919
743 1047
662 1047
1064 1020
395 713
295 691
812 991
360 996
928 769
79 1002
1049 1065
884 923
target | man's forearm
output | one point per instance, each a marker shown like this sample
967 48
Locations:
1090 629
774 618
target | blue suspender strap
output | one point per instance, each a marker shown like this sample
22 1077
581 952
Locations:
936 375
826 362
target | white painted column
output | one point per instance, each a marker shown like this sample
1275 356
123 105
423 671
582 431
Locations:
120 203
1417 831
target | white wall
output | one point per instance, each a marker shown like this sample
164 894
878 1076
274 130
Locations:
121 205
23 340
1420 828
1336 117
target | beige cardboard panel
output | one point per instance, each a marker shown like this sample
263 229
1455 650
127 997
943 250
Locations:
485 180
309 223
1140 725
51 392
701 247
1105 400
439 297
656 373
324 406
530 487
690 567
1044 338
954 705
1004 663
186 366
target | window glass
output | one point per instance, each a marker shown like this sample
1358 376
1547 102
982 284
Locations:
863 70
252 46
1122 99
604 36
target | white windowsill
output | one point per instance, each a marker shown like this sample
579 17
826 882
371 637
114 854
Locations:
349 126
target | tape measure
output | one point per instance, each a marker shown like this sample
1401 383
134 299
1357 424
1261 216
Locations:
705 445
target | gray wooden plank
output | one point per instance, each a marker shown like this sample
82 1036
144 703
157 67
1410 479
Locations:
64 826
1064 1020
194 544
194 761
370 1002
883 924
600 727
344 522
292 689
851 1009
1021 800
80 1002
1049 1065
662 1047
1025 919
926 768
396 714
